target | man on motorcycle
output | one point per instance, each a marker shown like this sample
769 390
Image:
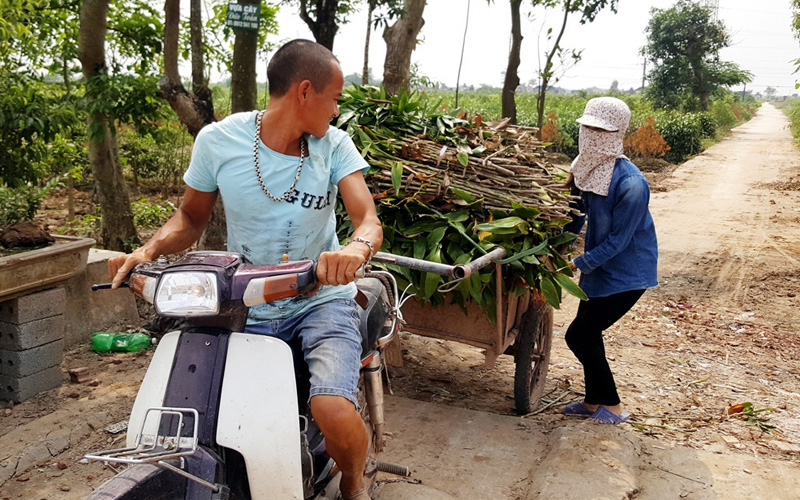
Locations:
278 172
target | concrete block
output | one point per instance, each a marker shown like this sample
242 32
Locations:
103 310
34 306
31 334
23 388
30 361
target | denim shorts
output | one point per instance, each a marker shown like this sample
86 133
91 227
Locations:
331 342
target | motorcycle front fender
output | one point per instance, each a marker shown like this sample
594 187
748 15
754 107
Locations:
258 415
154 387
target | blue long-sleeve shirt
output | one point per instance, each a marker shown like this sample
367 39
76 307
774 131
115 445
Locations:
620 250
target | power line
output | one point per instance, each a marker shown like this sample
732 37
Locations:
752 10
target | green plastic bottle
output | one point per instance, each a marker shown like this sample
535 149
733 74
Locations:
130 342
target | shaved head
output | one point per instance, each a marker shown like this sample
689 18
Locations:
300 60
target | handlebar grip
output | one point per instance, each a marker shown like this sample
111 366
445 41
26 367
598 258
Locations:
107 286
463 271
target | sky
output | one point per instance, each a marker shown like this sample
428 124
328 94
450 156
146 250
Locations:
762 42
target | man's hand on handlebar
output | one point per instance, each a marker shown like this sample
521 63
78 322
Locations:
339 268
119 267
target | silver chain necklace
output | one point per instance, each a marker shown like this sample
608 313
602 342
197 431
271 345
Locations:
289 191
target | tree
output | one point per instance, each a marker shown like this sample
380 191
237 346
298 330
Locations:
683 43
239 58
588 10
511 80
51 40
401 39
323 17
117 230
796 29
195 109
35 35
242 66
243 75
393 10
770 92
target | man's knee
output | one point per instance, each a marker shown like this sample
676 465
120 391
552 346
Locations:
333 411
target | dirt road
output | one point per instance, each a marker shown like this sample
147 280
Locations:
719 331
738 203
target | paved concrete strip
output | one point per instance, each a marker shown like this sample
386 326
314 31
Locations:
468 454
408 491
588 461
705 474
464 453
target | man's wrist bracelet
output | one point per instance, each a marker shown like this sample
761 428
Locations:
366 242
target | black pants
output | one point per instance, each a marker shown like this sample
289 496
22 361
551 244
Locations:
585 339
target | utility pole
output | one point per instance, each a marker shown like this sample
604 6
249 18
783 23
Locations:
713 8
644 72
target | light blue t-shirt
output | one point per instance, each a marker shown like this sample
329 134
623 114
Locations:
303 226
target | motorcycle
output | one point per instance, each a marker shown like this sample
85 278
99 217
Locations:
205 427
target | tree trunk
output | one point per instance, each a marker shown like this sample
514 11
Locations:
117 231
70 197
548 71
323 26
699 85
195 110
401 38
244 96
70 180
196 41
215 236
511 81
244 92
365 71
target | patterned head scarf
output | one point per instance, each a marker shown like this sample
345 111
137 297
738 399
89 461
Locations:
594 166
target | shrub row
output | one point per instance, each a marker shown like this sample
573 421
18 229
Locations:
682 132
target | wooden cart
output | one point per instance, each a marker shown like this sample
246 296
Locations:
524 329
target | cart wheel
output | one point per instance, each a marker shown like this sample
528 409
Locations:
532 356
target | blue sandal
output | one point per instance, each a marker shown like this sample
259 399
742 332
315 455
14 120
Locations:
605 416
577 409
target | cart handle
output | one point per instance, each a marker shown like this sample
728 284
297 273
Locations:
460 271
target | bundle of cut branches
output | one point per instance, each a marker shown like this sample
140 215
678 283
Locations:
448 189
500 169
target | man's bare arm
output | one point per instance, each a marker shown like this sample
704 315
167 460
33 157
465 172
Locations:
176 235
339 268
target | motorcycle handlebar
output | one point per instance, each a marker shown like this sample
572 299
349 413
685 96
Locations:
107 286
460 271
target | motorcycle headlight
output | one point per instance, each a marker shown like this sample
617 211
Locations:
191 293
